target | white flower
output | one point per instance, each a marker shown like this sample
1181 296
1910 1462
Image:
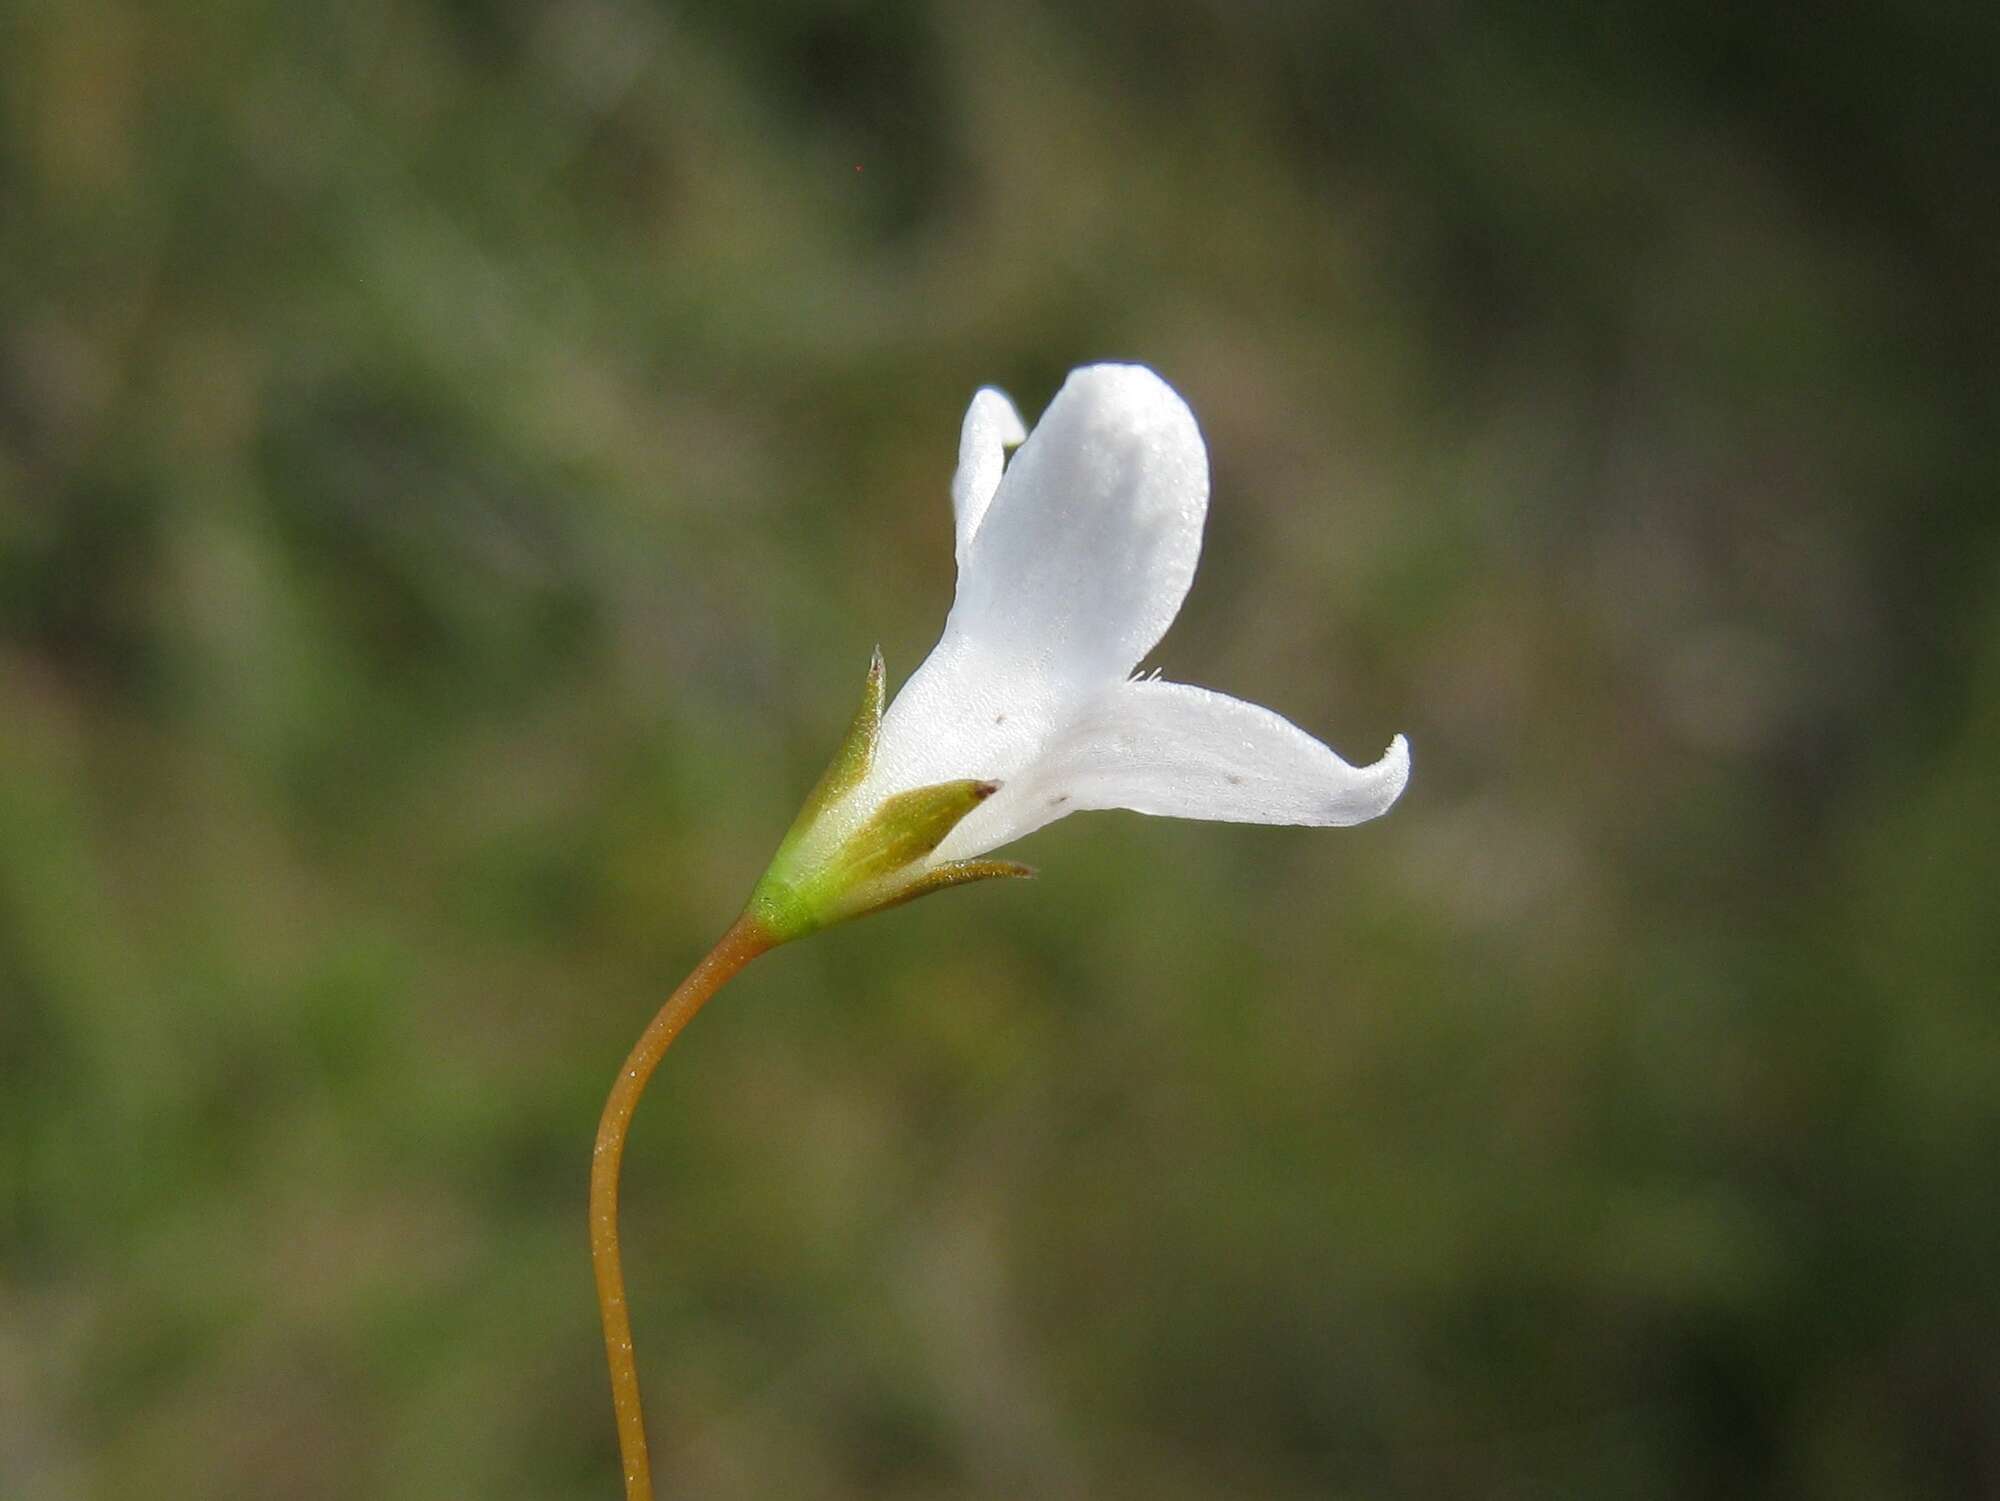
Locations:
1073 560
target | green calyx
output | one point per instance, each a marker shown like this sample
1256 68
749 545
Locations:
817 880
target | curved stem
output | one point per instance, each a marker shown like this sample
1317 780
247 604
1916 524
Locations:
742 943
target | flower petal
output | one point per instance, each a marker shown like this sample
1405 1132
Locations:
1079 565
1084 555
1184 752
992 426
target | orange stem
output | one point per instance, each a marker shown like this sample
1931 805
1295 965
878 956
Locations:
742 943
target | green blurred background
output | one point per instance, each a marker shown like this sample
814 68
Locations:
455 460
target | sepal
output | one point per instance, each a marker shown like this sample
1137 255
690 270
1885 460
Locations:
957 873
851 762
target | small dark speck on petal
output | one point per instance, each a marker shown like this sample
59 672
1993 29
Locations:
1059 799
999 718
1235 780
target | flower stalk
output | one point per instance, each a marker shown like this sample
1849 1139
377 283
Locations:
743 942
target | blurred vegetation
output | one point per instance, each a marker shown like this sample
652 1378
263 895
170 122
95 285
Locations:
454 462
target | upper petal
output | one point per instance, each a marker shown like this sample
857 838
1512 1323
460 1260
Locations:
992 426
1080 562
1089 544
1173 749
